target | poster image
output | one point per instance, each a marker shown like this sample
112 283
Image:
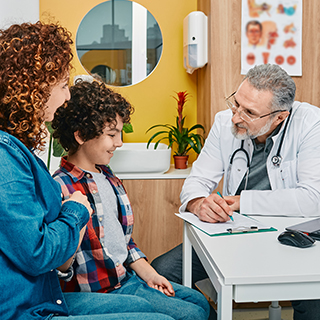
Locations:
271 32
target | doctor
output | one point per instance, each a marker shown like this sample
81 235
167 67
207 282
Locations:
267 149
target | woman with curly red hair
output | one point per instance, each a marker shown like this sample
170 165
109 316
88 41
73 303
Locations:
38 232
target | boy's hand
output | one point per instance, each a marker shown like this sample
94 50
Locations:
162 284
77 196
152 277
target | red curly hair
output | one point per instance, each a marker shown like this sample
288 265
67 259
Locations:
34 57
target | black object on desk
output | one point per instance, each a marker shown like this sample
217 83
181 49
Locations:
315 235
311 228
296 239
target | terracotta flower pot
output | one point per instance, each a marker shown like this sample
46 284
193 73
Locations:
181 162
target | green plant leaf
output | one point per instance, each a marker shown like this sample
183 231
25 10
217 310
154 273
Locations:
127 128
197 144
156 135
58 150
49 127
168 126
197 126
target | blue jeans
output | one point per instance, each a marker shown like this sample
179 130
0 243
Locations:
187 304
306 309
100 306
170 266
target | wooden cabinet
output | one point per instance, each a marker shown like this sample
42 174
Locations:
155 202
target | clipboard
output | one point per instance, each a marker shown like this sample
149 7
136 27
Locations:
241 224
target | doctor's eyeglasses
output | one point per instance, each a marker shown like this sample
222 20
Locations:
245 114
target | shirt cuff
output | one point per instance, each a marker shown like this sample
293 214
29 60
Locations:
134 255
78 210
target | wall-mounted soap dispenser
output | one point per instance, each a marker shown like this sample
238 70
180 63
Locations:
195 41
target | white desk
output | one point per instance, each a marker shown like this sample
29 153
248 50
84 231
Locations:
254 267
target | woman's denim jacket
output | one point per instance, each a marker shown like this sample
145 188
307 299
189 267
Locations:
37 235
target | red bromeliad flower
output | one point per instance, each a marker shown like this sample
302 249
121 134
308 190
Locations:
182 99
184 138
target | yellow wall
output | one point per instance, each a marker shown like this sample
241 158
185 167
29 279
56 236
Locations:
151 98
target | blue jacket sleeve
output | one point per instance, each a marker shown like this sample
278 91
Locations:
37 233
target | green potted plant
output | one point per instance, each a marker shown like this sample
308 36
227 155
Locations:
183 138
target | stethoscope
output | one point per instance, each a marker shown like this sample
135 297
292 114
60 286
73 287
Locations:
276 159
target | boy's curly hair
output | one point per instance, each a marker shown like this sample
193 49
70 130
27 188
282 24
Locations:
34 57
92 106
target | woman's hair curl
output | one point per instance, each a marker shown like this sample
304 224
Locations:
34 57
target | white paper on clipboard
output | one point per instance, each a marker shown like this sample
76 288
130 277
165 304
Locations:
241 222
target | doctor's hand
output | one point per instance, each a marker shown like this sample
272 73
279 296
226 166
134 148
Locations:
235 206
212 209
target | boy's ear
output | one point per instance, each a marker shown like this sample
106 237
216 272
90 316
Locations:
78 138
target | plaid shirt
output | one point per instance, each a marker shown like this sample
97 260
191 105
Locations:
94 269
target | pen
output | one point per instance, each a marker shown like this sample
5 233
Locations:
219 194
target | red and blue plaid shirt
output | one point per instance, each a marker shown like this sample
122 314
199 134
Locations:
94 270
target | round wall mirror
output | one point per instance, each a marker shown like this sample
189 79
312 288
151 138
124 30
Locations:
119 42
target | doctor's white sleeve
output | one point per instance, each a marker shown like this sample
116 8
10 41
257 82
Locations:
206 171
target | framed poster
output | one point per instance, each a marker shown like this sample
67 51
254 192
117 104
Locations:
271 32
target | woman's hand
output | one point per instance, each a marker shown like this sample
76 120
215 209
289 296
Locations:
77 196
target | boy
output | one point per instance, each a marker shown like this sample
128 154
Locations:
89 128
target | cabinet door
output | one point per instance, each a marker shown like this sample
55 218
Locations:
155 202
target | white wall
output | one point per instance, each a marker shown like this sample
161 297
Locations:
18 11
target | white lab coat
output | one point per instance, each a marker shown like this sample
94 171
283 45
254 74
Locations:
295 184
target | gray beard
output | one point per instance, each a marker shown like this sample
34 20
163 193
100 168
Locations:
248 134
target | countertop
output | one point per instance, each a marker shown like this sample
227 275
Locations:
172 173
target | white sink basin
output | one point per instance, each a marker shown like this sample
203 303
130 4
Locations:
135 157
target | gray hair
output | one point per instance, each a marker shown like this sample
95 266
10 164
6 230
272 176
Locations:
271 77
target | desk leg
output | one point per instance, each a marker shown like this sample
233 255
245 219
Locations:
186 258
274 311
224 307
